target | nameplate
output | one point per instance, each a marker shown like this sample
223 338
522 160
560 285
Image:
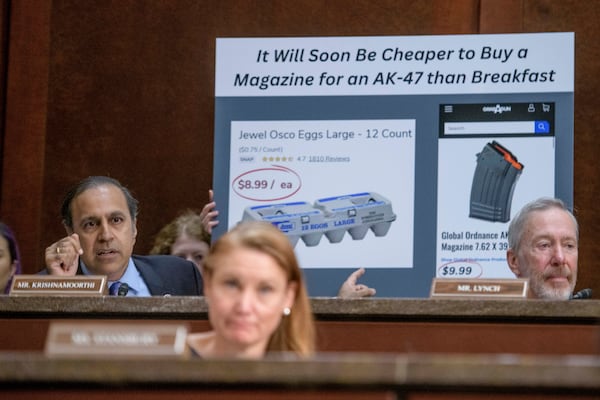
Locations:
116 339
48 285
479 288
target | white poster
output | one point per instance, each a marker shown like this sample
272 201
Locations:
337 188
406 155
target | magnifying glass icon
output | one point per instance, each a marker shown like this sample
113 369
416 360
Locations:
542 127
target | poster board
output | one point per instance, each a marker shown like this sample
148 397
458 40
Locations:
376 152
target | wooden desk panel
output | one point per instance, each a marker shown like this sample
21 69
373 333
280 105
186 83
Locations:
390 326
340 376
197 394
276 394
458 337
387 337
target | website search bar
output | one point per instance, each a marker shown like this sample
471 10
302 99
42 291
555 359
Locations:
496 127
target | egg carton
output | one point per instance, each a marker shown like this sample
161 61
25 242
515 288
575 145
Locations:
330 216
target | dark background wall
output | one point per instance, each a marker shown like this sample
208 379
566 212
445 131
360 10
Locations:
125 88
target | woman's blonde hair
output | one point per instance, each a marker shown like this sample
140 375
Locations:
189 222
296 332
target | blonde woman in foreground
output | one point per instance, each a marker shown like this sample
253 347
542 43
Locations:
257 300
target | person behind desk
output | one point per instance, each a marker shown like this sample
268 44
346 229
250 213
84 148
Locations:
543 239
350 288
184 237
187 237
257 300
99 215
10 263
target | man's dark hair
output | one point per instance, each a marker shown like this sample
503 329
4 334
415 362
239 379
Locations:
92 182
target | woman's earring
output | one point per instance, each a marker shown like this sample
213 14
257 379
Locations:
287 311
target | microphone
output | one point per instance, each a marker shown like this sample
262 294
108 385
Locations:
123 289
582 294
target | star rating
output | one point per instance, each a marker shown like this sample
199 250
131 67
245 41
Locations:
277 159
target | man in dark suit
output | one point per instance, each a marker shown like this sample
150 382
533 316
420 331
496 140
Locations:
99 215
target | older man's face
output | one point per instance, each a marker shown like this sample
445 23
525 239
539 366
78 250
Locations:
106 229
547 255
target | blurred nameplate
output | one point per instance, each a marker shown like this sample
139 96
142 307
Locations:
116 339
480 288
47 285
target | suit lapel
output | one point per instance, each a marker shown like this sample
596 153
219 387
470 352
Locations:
151 278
